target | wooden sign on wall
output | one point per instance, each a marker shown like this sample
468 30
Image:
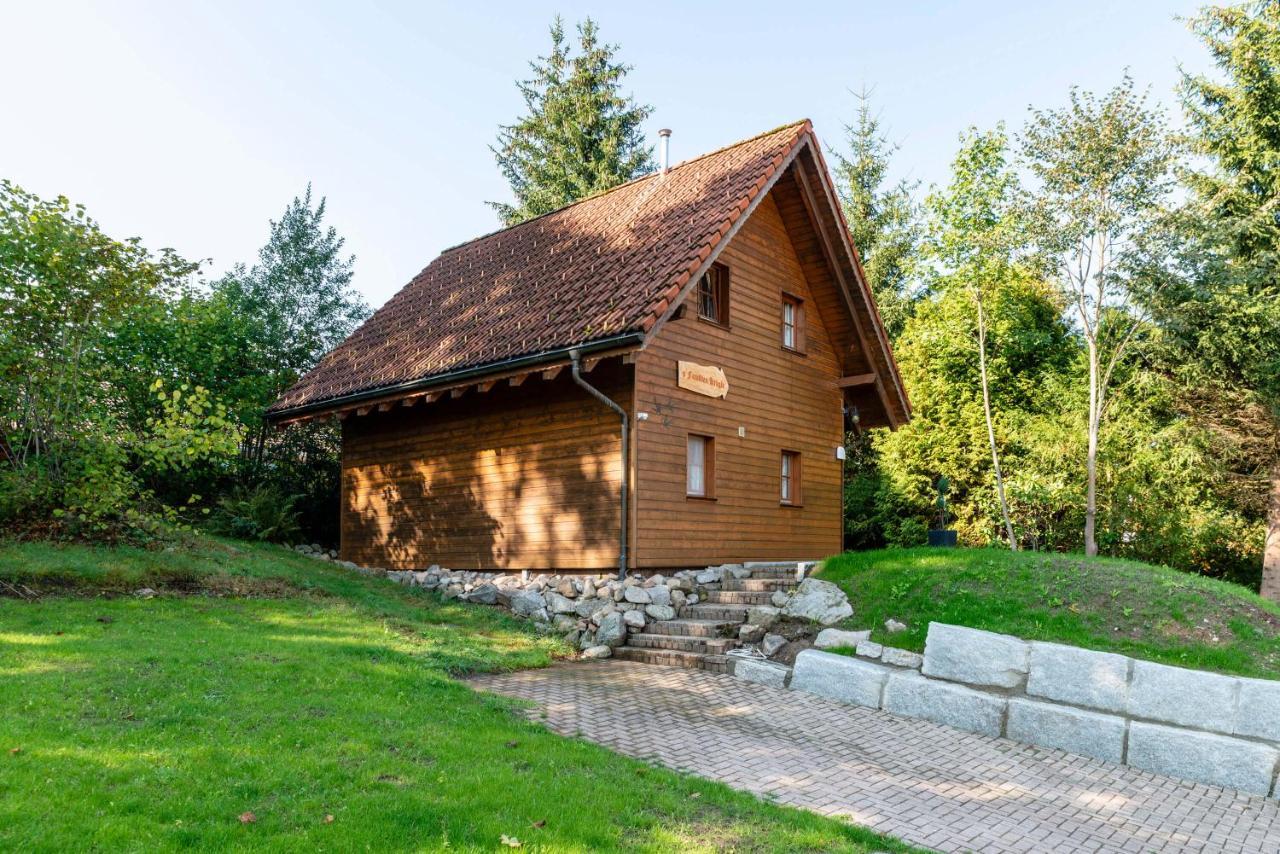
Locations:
702 379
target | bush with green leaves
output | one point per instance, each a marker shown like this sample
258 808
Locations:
261 513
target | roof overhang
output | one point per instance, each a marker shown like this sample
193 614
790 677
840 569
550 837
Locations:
410 392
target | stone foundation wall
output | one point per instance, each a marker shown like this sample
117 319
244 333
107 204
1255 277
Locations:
1222 730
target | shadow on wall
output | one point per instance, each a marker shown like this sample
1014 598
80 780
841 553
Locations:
516 478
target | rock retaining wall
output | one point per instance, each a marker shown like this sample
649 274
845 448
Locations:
1223 730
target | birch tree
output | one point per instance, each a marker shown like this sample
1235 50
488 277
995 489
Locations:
1102 167
975 238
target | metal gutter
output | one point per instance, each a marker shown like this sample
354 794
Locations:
576 362
452 377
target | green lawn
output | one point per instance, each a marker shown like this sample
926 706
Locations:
1123 606
286 691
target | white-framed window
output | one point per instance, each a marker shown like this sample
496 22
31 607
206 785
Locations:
789 492
792 323
700 466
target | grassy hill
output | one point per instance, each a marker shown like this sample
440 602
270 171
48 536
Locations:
1146 611
266 700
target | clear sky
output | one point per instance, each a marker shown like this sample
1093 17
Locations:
191 124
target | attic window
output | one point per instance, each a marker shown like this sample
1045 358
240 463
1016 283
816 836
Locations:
713 295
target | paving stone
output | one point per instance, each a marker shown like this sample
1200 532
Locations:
1082 677
928 785
839 677
1177 695
1203 757
1259 709
975 657
1073 730
762 672
908 693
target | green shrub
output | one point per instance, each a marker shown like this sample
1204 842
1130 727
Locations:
261 513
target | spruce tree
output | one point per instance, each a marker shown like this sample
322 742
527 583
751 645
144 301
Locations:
580 135
883 220
1227 322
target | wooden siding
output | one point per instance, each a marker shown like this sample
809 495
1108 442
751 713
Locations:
512 478
783 400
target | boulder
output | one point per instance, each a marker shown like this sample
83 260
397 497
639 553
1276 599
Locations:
780 598
634 619
638 595
912 695
761 672
485 594
528 603
566 589
839 677
1214 759
560 604
1077 676
710 575
588 588
763 615
869 649
585 607
612 631
901 657
1185 697
975 657
1259 714
660 612
831 638
597 652
892 626
819 601
772 643
1073 730
750 634
564 623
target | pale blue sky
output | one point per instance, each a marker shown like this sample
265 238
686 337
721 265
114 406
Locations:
190 125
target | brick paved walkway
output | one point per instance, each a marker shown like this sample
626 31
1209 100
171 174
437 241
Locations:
927 784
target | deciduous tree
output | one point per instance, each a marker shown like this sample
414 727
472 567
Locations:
1103 171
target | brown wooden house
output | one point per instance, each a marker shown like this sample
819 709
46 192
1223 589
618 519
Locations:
664 370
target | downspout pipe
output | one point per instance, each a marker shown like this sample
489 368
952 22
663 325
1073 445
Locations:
576 365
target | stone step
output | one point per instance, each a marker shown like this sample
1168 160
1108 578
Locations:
739 597
673 658
787 571
682 643
693 628
732 613
758 584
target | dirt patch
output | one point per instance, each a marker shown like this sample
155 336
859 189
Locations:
165 584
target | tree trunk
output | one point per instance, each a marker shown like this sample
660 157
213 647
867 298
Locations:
1271 551
1091 462
991 429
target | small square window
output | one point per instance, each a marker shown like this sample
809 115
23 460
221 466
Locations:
790 488
792 323
713 295
700 467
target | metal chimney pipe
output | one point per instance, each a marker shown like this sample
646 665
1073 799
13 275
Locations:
664 147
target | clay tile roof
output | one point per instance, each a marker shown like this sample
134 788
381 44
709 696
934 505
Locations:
599 269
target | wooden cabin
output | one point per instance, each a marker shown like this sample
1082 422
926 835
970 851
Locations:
717 304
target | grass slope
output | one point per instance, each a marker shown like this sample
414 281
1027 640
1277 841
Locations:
1149 612
295 691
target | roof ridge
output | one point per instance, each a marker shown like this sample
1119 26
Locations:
645 177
